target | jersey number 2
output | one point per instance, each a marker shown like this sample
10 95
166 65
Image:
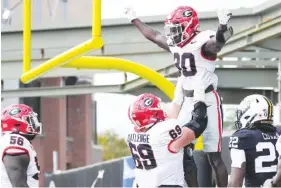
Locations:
181 64
266 163
143 156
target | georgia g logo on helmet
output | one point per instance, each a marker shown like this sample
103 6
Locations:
14 111
181 25
148 102
187 13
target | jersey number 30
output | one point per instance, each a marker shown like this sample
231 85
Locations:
143 156
266 163
181 64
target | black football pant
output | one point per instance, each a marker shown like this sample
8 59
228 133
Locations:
189 167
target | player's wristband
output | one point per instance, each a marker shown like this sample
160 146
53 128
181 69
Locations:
223 35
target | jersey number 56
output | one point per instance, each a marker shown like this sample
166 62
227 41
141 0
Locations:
16 140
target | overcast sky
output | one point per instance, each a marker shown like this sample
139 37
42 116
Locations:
158 7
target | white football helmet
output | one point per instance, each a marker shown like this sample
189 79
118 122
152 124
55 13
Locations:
254 108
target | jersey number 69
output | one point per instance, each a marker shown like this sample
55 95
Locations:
175 133
143 156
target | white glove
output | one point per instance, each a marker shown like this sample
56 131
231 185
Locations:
130 13
224 16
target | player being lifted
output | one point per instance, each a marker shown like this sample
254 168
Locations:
194 53
252 146
156 141
19 165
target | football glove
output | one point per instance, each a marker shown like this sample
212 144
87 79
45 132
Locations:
224 16
130 13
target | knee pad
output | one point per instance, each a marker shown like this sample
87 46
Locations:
199 119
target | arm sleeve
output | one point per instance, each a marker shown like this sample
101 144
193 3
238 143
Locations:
14 150
215 44
238 157
172 132
15 145
178 94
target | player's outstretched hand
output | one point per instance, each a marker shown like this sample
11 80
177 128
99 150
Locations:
130 13
224 16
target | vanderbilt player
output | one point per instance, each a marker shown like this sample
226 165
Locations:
19 164
156 141
252 146
194 54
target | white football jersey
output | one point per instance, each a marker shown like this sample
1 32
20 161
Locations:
15 144
155 163
191 62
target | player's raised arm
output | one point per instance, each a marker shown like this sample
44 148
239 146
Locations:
148 32
16 167
178 99
193 129
215 44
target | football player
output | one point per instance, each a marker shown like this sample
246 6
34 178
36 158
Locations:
19 164
252 146
276 180
156 141
194 54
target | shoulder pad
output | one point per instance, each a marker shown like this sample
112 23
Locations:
208 33
15 144
204 36
241 139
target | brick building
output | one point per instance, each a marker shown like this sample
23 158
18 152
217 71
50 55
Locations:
67 128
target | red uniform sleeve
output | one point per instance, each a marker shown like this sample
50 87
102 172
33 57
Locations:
14 150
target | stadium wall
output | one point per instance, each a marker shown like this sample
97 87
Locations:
120 172
68 123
